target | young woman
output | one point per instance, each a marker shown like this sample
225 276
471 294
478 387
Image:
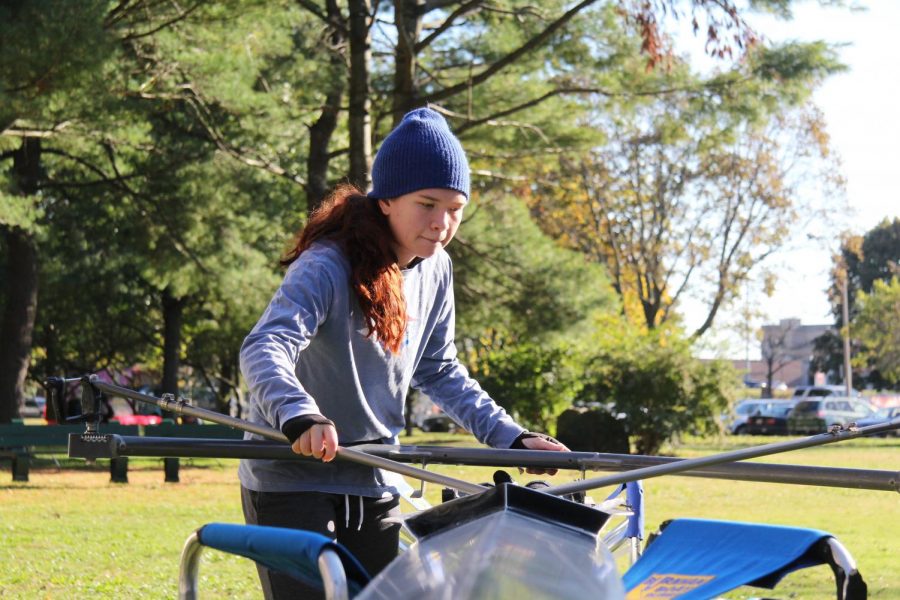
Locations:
365 312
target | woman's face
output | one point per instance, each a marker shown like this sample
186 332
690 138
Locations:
423 222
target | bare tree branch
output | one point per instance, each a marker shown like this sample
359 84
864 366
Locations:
469 122
203 114
431 5
181 16
329 17
463 9
512 57
169 228
26 132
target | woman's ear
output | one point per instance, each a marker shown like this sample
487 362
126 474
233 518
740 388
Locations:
385 206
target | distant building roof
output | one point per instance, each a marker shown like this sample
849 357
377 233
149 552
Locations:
788 346
791 339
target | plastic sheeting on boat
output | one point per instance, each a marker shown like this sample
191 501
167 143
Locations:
502 549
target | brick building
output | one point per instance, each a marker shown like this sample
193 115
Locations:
786 350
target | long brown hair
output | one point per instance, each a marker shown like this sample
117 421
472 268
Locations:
355 221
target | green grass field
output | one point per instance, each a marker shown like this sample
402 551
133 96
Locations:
69 533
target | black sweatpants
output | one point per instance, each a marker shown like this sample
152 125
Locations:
337 516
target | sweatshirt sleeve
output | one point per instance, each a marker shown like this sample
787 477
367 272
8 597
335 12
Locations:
442 378
270 352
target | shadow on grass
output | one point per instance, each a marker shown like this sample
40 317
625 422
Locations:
49 466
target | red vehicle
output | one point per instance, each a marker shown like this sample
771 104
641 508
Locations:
126 412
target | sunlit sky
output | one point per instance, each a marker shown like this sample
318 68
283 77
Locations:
861 109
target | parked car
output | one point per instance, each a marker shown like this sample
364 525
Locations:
754 406
440 422
882 415
133 413
816 416
818 391
773 423
34 408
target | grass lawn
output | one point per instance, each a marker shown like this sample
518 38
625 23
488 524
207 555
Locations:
70 533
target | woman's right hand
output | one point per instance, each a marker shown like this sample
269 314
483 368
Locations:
319 441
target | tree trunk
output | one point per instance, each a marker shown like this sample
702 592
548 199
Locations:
225 391
409 26
648 444
20 306
360 120
321 131
770 379
319 137
173 310
18 321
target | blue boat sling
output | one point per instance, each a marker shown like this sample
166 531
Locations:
634 494
290 551
695 559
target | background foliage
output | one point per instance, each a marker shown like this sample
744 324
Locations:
155 158
865 262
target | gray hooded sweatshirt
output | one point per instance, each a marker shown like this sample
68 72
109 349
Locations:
310 353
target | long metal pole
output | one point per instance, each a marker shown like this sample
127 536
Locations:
868 479
724 457
739 471
179 406
845 313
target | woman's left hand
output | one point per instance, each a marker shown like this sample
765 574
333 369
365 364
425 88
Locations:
543 442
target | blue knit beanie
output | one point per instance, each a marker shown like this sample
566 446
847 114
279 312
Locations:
421 153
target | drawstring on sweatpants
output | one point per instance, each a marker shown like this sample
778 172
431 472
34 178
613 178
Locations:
347 512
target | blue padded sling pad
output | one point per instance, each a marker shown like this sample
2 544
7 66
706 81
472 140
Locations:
290 551
694 558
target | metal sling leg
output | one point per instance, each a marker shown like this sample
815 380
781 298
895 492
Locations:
333 576
188 571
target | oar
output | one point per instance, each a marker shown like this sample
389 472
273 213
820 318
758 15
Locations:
830 437
179 406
